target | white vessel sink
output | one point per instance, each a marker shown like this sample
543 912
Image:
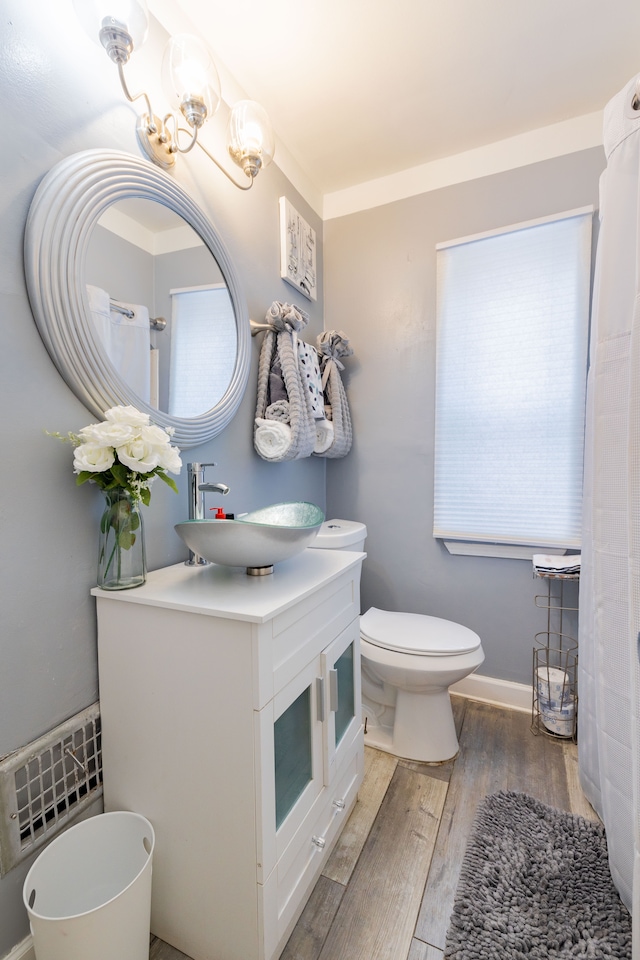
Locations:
256 540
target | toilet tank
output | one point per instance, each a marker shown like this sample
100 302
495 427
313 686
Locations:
341 535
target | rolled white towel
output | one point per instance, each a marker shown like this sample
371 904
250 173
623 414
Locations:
324 436
272 438
279 410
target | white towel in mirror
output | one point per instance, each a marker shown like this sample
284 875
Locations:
127 340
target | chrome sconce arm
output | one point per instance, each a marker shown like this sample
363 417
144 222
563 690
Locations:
190 81
131 97
240 186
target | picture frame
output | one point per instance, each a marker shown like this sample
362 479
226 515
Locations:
297 251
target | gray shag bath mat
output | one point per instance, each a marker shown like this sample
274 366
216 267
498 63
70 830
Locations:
535 883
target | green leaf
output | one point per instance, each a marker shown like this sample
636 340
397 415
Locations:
121 474
170 482
121 513
126 539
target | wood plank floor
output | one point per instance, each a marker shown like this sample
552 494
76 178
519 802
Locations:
387 890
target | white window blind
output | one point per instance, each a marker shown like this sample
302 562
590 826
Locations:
512 334
203 349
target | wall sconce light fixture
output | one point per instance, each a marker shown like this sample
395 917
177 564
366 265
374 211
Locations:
191 84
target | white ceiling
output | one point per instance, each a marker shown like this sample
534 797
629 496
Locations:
357 90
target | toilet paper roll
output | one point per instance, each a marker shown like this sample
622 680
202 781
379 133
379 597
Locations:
559 720
556 706
553 684
562 728
564 708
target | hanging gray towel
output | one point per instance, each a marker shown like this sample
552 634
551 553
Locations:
332 346
276 439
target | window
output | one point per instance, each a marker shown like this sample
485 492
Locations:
512 335
204 342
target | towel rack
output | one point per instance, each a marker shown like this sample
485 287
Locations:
257 328
123 310
156 323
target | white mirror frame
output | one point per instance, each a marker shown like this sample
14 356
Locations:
65 209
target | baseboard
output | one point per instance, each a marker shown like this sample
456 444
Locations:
22 951
502 693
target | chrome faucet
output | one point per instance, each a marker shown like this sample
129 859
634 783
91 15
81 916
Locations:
197 490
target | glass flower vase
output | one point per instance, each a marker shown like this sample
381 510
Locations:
121 556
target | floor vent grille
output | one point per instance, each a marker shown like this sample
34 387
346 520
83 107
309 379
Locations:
47 783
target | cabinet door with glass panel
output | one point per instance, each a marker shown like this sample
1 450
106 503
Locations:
341 670
291 755
303 733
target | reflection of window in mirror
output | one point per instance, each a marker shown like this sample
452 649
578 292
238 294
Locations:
204 344
138 254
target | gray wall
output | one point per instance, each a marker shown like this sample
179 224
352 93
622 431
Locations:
380 287
53 106
121 268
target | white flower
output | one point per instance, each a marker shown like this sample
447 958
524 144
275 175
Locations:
154 434
108 434
158 439
127 438
170 459
139 455
129 415
93 458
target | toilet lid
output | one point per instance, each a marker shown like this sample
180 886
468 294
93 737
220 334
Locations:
417 634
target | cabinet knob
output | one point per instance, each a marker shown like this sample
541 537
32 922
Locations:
319 841
340 804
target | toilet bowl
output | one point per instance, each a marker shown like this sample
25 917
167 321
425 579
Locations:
409 661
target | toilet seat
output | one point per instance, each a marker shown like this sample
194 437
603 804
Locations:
417 634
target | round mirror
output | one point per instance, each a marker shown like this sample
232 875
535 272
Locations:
134 294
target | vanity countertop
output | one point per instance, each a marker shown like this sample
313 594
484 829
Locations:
218 591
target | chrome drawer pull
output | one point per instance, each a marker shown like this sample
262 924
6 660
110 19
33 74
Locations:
320 699
333 690
319 841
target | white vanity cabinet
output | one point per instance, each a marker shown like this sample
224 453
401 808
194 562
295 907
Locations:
231 719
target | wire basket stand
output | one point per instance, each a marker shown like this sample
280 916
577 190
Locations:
555 665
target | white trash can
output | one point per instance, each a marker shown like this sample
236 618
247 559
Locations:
88 894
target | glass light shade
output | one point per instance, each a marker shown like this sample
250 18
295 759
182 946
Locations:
251 142
131 15
190 79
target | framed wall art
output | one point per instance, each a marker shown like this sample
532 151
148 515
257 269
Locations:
297 251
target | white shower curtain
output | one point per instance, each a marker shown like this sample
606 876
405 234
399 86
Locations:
126 339
609 673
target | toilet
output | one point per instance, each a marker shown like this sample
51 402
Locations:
409 661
